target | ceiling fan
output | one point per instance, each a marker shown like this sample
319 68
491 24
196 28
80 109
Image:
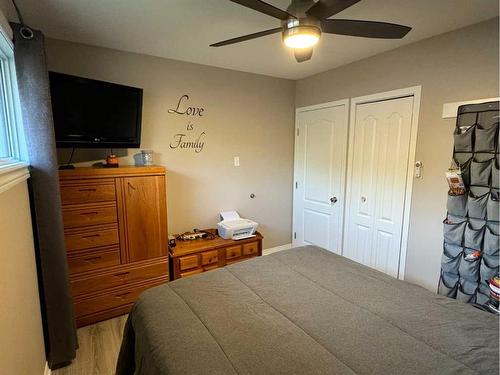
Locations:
304 21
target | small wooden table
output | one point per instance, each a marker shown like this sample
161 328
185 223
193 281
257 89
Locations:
196 256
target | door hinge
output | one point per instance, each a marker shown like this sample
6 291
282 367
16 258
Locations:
298 132
294 235
296 185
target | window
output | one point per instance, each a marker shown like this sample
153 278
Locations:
12 145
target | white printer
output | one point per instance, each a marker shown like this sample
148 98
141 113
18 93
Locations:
232 226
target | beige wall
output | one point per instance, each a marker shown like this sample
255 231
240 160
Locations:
21 339
452 67
246 115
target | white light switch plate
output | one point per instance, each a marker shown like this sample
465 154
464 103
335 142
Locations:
236 161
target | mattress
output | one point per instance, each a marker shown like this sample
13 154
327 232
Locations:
304 311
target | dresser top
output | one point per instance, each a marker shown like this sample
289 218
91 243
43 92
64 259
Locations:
194 246
102 172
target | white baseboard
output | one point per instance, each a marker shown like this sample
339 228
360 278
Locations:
276 249
47 371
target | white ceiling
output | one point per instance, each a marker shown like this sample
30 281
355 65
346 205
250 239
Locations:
183 29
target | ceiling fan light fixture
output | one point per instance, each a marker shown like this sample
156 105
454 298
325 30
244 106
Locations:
301 36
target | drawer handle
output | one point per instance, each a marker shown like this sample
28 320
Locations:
121 274
92 259
89 189
122 295
92 235
90 213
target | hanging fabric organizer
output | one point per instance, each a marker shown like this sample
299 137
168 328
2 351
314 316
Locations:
471 230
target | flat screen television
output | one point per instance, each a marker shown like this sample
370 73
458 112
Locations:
95 114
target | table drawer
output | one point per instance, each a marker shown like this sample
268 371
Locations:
88 193
114 299
209 257
94 260
188 262
233 252
96 215
90 239
251 248
118 277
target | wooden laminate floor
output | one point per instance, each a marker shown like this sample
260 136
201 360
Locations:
98 351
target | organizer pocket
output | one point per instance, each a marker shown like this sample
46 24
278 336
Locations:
476 205
495 173
454 233
463 141
473 237
466 291
488 269
469 269
452 250
456 204
448 285
491 242
484 288
482 298
450 264
493 206
483 293
464 161
485 139
480 172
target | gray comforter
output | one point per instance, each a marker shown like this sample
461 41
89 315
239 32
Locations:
304 311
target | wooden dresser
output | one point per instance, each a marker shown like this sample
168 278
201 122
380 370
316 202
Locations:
115 226
191 257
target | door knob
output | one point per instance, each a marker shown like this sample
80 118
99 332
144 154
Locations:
363 199
333 199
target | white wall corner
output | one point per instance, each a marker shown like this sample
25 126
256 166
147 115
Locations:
12 173
5 27
272 250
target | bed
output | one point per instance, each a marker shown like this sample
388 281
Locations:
304 311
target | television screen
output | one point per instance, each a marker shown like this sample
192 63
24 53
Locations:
97 114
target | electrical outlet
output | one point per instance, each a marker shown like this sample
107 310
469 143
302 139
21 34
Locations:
236 161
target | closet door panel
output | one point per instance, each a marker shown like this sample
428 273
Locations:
145 217
377 186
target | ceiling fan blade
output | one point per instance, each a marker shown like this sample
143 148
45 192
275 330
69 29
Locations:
247 37
303 54
327 8
367 29
265 8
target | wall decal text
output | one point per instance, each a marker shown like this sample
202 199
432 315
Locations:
189 139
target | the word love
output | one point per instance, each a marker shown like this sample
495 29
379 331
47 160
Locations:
184 109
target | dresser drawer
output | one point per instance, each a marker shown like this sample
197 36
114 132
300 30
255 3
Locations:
188 262
250 249
88 193
95 215
88 261
90 239
111 299
209 257
118 277
192 272
233 252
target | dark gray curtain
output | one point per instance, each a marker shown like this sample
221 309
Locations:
55 296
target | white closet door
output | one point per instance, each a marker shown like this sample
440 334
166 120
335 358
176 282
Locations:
320 157
378 160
